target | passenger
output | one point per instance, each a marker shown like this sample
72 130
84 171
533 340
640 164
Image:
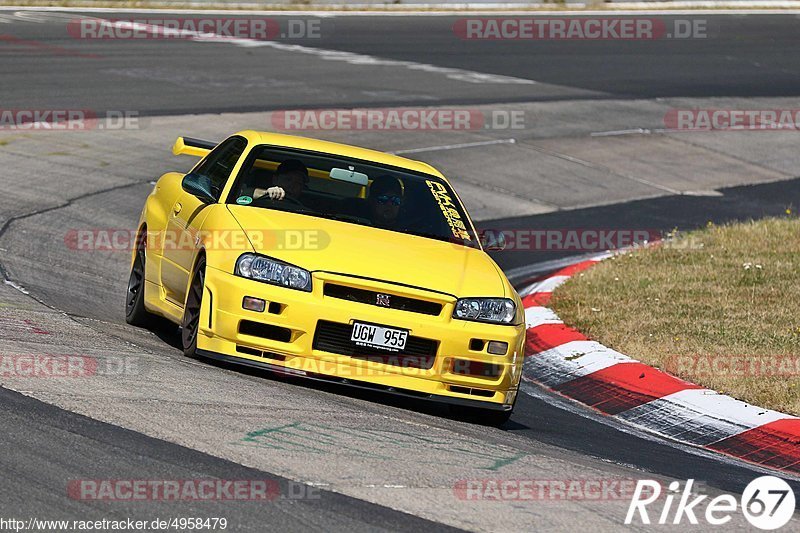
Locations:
386 196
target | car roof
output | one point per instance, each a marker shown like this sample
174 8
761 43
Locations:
356 152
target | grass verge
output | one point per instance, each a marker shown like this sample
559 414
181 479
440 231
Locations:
719 307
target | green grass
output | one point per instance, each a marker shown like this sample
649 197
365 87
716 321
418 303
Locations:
697 305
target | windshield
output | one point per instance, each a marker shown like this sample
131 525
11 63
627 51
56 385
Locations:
359 193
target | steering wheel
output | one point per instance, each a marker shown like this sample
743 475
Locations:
294 201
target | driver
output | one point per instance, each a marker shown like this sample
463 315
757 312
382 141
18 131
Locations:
290 180
386 196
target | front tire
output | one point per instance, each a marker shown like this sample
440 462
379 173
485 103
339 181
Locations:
135 312
190 325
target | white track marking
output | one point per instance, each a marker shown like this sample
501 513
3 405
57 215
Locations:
351 58
578 409
362 59
570 361
546 285
16 286
614 133
42 17
699 416
453 146
537 315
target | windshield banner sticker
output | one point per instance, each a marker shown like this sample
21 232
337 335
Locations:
449 211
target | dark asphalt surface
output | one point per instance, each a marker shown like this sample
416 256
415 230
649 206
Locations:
656 216
537 417
737 58
45 446
43 66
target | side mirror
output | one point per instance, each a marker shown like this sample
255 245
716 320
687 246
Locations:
199 186
493 240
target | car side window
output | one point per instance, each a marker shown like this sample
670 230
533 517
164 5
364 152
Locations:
218 164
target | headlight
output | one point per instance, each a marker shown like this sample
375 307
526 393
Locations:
494 310
268 270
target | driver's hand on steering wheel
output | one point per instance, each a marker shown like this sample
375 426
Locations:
276 193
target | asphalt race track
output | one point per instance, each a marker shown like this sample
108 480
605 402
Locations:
593 153
742 56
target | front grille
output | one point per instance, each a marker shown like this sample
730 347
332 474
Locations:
335 338
365 296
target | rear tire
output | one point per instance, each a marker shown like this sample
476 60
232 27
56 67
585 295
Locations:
135 312
190 325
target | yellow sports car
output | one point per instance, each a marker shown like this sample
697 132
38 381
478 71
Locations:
330 262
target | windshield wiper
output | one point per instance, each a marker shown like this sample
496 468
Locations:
434 236
345 218
286 208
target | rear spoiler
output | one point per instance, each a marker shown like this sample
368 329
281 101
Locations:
195 147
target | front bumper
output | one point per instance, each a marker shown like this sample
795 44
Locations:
282 338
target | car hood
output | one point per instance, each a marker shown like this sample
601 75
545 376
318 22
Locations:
318 244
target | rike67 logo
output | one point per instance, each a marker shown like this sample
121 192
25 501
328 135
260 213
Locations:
767 502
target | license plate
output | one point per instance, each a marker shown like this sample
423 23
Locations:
374 336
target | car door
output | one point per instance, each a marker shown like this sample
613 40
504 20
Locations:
187 215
